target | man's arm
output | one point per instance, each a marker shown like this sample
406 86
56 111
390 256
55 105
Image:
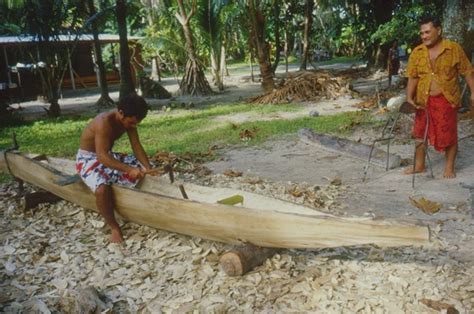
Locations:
411 90
138 148
103 143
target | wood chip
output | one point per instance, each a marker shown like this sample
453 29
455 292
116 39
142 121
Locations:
427 206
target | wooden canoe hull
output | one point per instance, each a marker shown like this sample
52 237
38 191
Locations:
224 223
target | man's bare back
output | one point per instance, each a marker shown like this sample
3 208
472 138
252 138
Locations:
103 122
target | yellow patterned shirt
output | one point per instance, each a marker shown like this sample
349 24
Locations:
450 63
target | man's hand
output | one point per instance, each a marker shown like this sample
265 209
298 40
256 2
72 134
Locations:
154 171
136 173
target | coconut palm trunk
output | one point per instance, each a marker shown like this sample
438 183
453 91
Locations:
194 81
126 82
276 16
308 23
104 100
257 21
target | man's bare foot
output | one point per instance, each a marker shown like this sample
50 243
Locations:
449 174
410 170
116 236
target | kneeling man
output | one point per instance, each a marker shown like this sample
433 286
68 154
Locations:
99 167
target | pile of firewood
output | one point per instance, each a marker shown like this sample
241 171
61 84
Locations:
306 86
183 163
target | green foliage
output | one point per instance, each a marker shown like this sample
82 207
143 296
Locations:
5 178
179 132
164 36
404 24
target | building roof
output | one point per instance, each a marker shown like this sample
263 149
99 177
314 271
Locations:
104 38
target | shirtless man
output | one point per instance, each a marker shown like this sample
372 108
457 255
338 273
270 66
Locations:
433 70
99 167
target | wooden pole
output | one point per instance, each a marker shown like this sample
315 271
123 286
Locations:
7 66
71 71
241 260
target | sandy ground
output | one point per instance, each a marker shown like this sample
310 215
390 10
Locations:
183 274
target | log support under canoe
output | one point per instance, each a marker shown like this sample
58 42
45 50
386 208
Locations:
242 260
31 200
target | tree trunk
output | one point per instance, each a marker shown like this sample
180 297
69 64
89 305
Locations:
257 22
252 76
54 109
126 81
383 10
286 49
155 69
216 71
194 81
454 20
50 85
458 26
469 35
276 29
225 70
308 23
104 100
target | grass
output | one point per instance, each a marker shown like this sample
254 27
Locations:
5 178
179 132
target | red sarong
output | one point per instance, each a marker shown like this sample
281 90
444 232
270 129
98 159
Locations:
442 123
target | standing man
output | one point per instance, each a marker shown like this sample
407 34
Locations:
433 88
99 167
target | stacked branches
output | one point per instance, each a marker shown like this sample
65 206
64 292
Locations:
307 86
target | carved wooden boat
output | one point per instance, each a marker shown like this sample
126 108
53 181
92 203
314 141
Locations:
261 221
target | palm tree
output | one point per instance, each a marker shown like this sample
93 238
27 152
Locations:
276 30
308 23
257 34
104 100
126 82
213 24
194 82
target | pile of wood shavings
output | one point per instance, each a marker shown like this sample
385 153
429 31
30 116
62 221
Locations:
46 256
320 197
306 86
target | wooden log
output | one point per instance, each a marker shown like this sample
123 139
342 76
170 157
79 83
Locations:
349 148
31 200
241 260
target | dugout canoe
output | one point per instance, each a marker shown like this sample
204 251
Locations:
261 221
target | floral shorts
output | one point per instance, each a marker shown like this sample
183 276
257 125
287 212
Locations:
94 174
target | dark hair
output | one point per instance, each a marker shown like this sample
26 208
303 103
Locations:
425 19
133 105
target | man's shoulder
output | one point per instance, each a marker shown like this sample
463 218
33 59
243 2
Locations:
419 49
449 42
104 120
416 54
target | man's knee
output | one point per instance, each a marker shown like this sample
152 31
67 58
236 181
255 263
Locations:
102 190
